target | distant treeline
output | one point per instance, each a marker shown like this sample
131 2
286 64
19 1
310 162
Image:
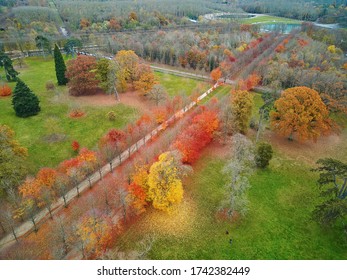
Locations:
325 11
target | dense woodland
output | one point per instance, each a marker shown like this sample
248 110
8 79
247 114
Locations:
103 156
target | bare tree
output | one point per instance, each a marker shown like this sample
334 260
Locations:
158 94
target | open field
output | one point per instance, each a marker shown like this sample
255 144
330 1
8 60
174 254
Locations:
266 19
175 85
278 224
33 132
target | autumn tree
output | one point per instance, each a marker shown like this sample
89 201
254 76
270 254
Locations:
145 83
216 74
137 196
81 75
300 113
164 184
128 63
24 101
332 184
60 67
93 233
111 145
197 135
12 160
242 104
157 94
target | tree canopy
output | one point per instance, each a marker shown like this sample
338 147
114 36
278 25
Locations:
301 113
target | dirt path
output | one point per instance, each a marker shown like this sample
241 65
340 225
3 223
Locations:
130 98
309 152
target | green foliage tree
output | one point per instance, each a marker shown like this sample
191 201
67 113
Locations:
333 187
12 156
43 44
102 73
60 67
70 45
263 154
6 62
24 101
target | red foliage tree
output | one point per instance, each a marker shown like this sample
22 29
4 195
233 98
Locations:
82 80
137 195
196 136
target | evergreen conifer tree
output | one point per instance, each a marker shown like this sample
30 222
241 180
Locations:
6 62
24 101
60 67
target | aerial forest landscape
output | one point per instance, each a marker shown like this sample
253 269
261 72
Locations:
173 130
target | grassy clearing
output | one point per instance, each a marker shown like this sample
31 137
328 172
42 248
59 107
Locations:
30 132
175 85
277 226
265 19
219 93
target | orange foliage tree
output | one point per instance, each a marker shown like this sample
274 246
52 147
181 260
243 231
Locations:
216 74
301 113
146 82
93 235
137 197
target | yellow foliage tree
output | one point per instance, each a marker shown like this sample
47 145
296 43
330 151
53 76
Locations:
128 61
242 104
164 184
146 82
94 234
301 113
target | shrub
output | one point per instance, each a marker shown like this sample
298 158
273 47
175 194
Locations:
111 116
5 90
50 86
75 146
76 113
263 155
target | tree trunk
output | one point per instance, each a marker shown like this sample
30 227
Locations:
64 198
14 233
33 221
2 227
50 211
90 182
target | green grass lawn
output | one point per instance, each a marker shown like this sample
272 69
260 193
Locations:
277 226
266 19
175 85
30 132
